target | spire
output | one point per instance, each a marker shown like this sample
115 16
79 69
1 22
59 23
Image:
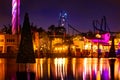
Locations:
26 53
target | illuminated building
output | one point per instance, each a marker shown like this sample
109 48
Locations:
78 42
59 44
8 43
99 42
41 42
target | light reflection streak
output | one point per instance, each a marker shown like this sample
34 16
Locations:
81 68
60 67
74 66
66 68
2 69
117 69
104 69
96 69
39 68
48 67
87 68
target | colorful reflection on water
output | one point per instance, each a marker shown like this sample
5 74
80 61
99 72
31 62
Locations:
61 69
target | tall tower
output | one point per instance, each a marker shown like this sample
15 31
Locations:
15 16
62 19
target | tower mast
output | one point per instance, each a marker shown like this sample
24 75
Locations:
62 19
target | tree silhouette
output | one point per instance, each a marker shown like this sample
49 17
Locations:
56 30
7 29
51 29
60 30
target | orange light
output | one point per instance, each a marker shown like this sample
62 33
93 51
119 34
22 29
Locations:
98 36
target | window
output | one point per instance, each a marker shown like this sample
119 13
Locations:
10 40
1 40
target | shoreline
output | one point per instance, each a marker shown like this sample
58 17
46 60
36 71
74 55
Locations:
14 55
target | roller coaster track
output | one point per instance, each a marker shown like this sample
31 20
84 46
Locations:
101 26
73 29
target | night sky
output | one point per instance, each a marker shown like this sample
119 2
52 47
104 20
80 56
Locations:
81 13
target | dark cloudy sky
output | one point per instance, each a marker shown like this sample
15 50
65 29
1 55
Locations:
81 13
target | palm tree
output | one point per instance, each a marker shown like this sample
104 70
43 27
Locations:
51 29
40 30
60 30
90 34
7 29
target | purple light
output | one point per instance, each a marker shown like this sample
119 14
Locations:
105 38
15 16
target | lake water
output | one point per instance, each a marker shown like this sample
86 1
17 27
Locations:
61 69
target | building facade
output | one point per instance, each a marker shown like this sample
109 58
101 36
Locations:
8 43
